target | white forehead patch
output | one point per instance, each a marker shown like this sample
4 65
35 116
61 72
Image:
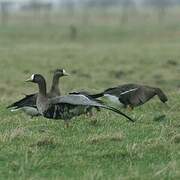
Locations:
32 77
64 71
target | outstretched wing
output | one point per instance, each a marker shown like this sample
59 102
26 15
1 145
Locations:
87 94
28 100
83 101
75 99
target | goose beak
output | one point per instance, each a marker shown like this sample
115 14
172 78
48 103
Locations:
30 79
65 73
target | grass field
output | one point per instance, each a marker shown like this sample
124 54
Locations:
103 55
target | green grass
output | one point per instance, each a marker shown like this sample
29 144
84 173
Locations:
103 55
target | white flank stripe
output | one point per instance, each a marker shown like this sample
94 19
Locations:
129 91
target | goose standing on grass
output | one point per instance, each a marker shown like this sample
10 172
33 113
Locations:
64 107
132 95
28 103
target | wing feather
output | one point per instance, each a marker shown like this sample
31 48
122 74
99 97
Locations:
83 101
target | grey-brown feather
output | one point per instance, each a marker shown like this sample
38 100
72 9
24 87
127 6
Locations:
133 94
66 107
28 103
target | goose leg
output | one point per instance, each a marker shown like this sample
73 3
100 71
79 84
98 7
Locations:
90 113
98 109
66 123
129 107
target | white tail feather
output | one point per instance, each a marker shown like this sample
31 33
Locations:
14 110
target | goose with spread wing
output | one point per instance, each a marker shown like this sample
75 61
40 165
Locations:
132 95
28 103
64 107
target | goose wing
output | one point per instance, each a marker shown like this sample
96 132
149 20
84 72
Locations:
136 96
28 100
87 94
83 100
75 99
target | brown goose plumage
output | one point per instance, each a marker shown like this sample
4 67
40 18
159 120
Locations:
132 95
64 107
28 103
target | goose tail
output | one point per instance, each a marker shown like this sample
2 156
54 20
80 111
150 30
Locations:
15 109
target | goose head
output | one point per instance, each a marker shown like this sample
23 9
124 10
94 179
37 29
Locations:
60 72
36 78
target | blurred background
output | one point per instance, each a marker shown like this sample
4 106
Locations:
102 43
56 11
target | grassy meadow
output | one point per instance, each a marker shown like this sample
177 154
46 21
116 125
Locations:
104 54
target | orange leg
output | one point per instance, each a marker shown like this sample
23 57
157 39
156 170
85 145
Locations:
129 107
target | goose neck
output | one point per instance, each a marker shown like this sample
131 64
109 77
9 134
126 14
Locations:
55 84
42 87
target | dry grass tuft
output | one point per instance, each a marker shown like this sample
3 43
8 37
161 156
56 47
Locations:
105 137
12 134
46 141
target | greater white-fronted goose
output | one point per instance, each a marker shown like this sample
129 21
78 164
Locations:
64 107
28 103
132 95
